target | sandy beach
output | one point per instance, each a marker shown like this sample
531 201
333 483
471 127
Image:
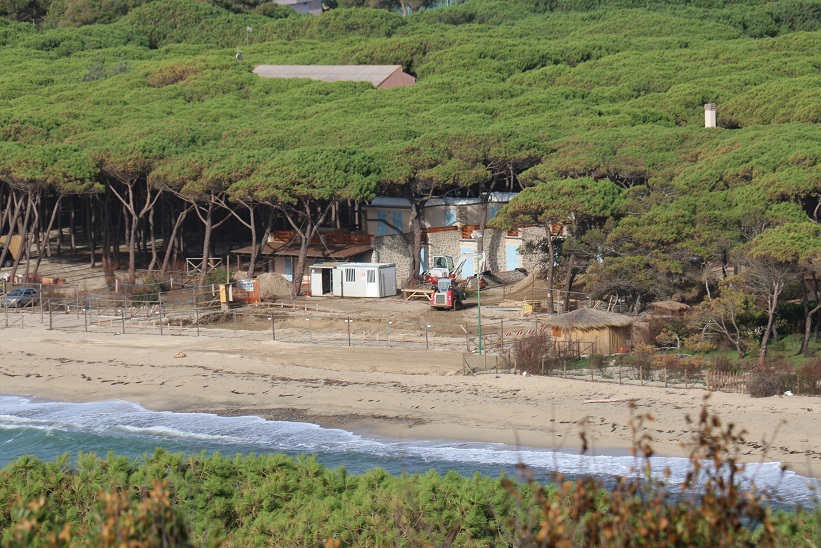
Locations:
398 393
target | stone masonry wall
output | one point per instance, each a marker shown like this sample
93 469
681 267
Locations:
444 243
392 249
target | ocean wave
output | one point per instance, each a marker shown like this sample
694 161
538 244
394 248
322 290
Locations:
123 422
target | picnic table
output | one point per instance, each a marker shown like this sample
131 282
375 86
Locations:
417 294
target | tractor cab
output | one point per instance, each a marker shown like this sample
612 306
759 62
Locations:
447 294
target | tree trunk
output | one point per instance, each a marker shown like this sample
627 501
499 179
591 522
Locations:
60 235
54 214
480 241
72 228
131 242
91 233
12 223
772 303
257 248
153 237
22 229
172 241
571 274
298 273
206 242
312 221
416 249
551 260
808 314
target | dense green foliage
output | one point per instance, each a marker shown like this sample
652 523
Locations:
152 94
265 500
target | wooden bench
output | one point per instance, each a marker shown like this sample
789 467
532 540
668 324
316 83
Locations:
417 294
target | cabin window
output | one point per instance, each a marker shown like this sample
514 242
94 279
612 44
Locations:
371 276
450 217
350 275
381 228
289 269
396 220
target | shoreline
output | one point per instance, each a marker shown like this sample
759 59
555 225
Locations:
397 428
393 393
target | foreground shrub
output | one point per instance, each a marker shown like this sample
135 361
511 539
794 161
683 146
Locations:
771 379
810 376
529 352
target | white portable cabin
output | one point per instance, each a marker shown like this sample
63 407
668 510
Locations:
364 280
322 281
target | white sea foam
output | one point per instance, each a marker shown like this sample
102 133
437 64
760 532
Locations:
127 420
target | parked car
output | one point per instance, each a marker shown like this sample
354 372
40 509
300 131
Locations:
20 297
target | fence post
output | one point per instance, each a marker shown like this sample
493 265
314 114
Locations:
50 318
234 314
159 297
273 328
85 319
427 345
122 316
40 298
467 339
501 335
590 363
685 378
665 375
564 367
707 379
197 319
348 321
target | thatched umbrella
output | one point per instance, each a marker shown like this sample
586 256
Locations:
586 319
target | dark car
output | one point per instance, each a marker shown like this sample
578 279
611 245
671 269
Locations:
20 297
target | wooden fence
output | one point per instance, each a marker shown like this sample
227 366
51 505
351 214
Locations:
735 383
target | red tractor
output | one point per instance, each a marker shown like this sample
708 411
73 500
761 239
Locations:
447 294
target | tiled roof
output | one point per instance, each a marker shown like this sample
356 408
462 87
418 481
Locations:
375 74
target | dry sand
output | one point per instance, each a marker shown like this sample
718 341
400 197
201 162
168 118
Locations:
391 392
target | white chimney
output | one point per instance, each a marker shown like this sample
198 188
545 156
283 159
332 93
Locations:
710 115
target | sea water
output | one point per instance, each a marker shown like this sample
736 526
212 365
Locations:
47 429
